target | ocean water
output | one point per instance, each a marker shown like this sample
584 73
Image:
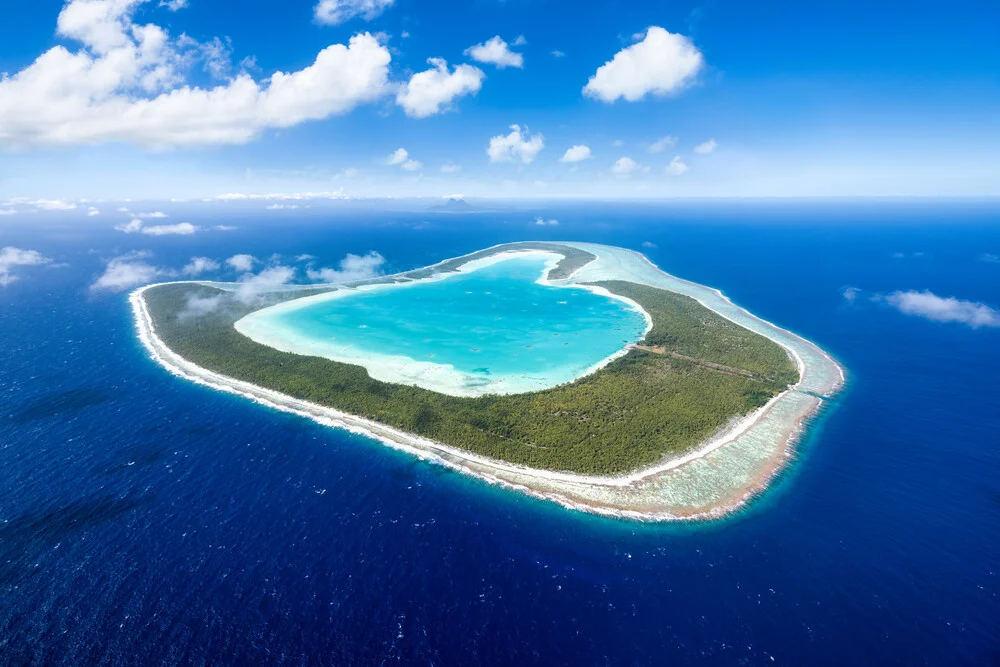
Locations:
146 520
494 329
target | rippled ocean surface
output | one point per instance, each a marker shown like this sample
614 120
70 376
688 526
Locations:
147 520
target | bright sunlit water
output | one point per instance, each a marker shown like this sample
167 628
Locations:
496 327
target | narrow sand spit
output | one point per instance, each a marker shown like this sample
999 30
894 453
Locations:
713 480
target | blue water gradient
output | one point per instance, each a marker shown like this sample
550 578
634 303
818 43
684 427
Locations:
494 324
147 520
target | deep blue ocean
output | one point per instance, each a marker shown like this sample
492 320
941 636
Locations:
146 520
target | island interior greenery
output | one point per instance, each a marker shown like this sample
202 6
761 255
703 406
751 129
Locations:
691 376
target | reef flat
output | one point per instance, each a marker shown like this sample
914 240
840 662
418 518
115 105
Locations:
687 422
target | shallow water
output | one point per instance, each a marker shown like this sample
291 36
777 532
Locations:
494 329
147 520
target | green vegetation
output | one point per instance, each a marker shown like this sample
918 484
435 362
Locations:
573 259
698 372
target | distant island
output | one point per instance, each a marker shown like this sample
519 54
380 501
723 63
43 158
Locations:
453 205
575 372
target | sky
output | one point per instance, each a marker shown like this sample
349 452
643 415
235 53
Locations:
191 99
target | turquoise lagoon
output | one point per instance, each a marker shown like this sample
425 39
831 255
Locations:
491 328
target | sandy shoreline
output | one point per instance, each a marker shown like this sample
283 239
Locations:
710 481
260 326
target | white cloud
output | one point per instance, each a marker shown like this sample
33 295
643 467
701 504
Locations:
199 306
126 83
127 271
43 204
662 144
559 54
280 207
515 145
273 275
662 63
706 148
254 285
676 166
520 41
280 196
225 228
136 226
397 157
850 294
449 168
242 262
335 12
577 153
174 5
648 244
542 222
432 91
940 309
350 269
11 257
990 258
305 258
7 211
199 265
91 212
411 165
154 214
496 52
625 166
130 227
182 229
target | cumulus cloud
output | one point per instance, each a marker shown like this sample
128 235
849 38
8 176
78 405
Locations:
928 305
397 157
411 165
126 83
335 12
154 214
706 148
432 91
242 262
496 52
11 257
174 5
648 244
850 294
676 166
542 222
625 166
350 269
559 54
662 63
199 265
91 212
516 145
577 153
662 144
182 229
199 306
253 285
450 168
131 227
136 226
127 271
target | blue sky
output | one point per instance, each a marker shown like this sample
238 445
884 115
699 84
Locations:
703 99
